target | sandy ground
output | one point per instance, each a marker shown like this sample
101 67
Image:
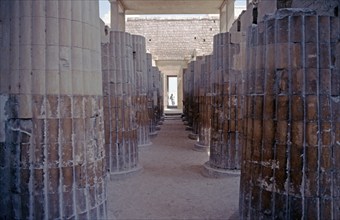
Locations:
170 185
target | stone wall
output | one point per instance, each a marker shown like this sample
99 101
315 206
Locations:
175 39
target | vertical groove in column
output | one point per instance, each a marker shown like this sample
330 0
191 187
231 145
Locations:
45 110
290 174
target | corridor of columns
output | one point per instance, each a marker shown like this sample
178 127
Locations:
252 131
172 184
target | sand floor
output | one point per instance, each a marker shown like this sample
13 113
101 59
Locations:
170 185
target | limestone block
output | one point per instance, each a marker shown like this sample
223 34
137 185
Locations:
65 36
25 84
77 34
52 31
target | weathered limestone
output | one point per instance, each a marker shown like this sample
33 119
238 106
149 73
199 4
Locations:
140 72
290 166
119 90
157 96
226 127
160 85
188 92
184 101
321 7
151 94
51 111
196 79
205 99
117 16
226 15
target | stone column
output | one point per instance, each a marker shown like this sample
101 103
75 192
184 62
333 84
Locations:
140 71
117 16
184 88
51 111
150 96
226 127
160 90
291 160
119 89
189 95
157 100
226 15
205 95
196 78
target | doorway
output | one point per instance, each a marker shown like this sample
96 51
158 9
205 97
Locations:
172 91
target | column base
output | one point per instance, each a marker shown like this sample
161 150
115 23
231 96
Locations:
145 145
201 148
212 172
193 136
188 128
125 174
153 134
158 128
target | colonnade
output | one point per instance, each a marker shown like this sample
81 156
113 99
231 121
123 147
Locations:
274 113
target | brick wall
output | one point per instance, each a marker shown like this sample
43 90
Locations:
175 38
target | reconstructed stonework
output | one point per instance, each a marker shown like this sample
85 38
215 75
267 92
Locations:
119 89
290 166
188 79
152 95
214 103
158 95
196 79
51 111
205 107
141 74
227 106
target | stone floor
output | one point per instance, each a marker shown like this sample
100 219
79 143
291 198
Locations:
170 185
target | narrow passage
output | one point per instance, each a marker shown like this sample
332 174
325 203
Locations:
171 185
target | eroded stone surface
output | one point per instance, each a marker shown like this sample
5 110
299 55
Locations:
291 120
51 111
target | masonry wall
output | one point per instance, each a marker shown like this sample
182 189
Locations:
169 39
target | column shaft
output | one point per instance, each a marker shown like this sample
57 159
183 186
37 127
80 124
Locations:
51 122
290 162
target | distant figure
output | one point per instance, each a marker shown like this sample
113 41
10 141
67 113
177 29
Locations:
172 99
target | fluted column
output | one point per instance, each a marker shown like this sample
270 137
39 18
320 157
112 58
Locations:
291 160
205 95
196 77
161 87
150 97
140 71
188 90
225 147
119 89
51 111
157 100
117 16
